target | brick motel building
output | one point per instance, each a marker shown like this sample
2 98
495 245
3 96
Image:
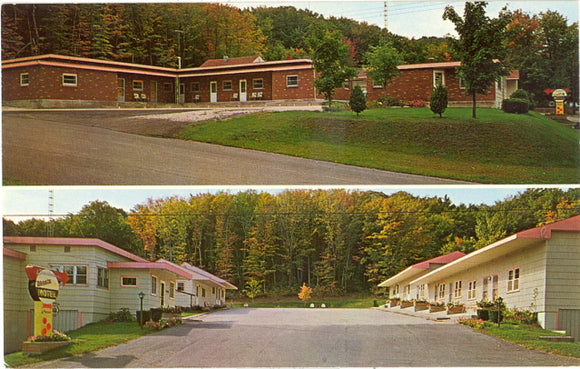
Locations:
55 81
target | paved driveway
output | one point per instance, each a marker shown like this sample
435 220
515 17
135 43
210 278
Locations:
102 148
313 338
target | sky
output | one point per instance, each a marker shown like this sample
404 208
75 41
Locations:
23 202
413 18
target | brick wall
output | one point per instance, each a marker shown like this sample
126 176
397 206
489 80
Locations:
233 94
164 86
46 83
304 90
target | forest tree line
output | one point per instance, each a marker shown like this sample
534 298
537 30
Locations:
544 47
335 241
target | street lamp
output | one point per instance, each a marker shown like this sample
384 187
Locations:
499 303
141 295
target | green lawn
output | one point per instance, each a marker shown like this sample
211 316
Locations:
351 302
494 148
528 336
86 339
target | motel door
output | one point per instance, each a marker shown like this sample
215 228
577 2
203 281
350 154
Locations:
182 93
243 90
153 92
162 302
213 91
121 90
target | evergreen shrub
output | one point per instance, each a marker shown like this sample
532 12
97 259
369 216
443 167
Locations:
517 106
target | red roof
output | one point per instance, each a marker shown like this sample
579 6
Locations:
232 61
149 265
14 254
443 259
570 224
72 242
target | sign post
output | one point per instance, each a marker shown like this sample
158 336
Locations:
43 288
559 96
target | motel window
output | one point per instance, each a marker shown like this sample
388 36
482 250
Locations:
441 291
377 84
346 85
291 81
128 281
227 85
485 289
203 292
32 248
258 83
24 79
137 85
103 277
180 286
195 87
462 84
438 78
513 279
69 79
457 289
171 290
154 285
471 290
77 273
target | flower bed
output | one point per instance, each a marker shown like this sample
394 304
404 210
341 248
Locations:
436 307
406 304
455 308
40 344
421 305
37 348
394 302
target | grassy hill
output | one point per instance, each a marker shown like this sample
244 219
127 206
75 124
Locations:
494 148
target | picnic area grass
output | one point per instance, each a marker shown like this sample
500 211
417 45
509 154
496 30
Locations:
496 147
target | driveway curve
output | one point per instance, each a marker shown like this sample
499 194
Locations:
313 338
49 149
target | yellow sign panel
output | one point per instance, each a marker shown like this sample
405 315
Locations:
559 107
42 319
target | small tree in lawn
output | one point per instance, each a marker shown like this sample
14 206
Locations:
479 47
438 100
253 288
382 64
305 293
358 100
330 58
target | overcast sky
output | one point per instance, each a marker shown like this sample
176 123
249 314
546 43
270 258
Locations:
22 202
413 18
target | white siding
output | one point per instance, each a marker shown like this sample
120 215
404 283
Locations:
563 275
17 303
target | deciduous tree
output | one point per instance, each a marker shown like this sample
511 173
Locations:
479 47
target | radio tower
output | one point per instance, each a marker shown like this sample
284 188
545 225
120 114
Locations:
386 15
50 227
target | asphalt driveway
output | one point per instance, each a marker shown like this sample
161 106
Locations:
127 148
314 338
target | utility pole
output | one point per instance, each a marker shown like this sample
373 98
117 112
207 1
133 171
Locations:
386 15
177 87
50 226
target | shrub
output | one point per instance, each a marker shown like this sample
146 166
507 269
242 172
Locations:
438 100
416 103
517 106
124 315
520 94
358 100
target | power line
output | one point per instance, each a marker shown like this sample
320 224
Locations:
241 214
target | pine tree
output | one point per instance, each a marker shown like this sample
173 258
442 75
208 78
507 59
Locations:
358 100
438 100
